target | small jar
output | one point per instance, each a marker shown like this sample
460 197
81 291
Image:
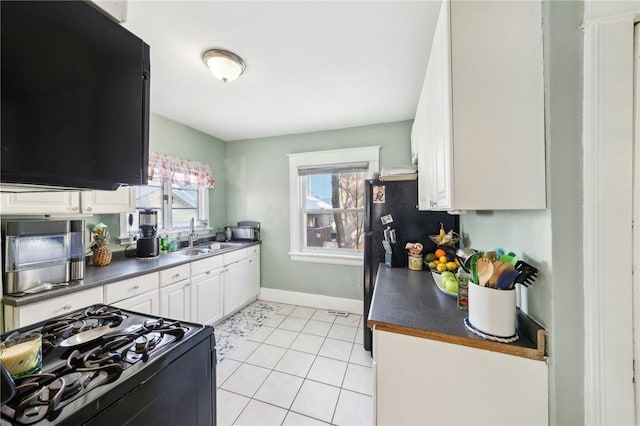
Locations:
415 262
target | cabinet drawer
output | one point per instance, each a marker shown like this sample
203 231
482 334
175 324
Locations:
253 250
234 256
209 264
128 288
173 275
47 309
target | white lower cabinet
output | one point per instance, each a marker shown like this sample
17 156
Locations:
237 285
254 264
175 300
138 294
419 381
206 297
16 317
146 303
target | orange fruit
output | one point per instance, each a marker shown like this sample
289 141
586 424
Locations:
439 253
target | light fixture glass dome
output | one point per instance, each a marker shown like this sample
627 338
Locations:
225 65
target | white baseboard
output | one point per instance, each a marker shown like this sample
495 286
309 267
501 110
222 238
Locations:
317 301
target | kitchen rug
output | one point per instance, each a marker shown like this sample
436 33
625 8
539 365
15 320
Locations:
237 328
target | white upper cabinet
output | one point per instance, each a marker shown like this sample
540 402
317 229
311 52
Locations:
479 126
61 202
68 202
119 201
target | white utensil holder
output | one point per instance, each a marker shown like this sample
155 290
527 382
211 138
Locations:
492 311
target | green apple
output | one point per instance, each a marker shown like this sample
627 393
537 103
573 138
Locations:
448 274
451 285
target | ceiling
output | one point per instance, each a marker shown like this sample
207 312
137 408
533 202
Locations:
310 65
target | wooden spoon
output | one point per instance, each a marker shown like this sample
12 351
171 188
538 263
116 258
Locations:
485 270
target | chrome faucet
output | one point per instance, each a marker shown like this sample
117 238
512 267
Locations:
192 231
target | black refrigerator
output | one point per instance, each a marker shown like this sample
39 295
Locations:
391 213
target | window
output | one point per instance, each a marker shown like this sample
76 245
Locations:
178 190
175 204
327 204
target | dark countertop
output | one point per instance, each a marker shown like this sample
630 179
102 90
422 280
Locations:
119 269
409 302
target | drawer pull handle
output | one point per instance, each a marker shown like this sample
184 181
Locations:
135 287
175 275
208 273
66 307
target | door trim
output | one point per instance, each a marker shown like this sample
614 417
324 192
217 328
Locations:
608 189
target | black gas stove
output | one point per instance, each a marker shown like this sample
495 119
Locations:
104 365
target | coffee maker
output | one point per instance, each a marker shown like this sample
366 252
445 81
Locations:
148 241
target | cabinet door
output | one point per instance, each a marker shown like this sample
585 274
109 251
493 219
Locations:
119 201
433 130
65 202
254 265
39 311
237 286
146 303
497 389
175 301
206 297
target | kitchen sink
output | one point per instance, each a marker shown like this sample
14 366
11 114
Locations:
193 251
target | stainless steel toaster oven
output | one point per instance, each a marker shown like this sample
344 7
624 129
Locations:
246 230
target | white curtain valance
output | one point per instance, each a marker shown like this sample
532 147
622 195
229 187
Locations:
180 171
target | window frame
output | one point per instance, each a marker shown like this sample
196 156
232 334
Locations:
297 193
202 219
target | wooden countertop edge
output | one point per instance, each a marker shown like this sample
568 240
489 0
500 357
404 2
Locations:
534 354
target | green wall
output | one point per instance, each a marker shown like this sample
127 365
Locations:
175 139
258 189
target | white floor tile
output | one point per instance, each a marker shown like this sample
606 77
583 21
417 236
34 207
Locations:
225 369
353 409
359 379
316 400
327 370
275 320
228 407
266 356
302 312
319 328
307 343
282 338
293 323
294 362
258 413
361 356
279 389
352 320
343 332
246 379
260 334
295 419
322 315
243 351
286 309
337 349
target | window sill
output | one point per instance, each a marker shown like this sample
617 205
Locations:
334 259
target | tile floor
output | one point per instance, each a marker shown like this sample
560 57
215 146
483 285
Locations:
295 366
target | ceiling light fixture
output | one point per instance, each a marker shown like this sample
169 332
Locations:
225 65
